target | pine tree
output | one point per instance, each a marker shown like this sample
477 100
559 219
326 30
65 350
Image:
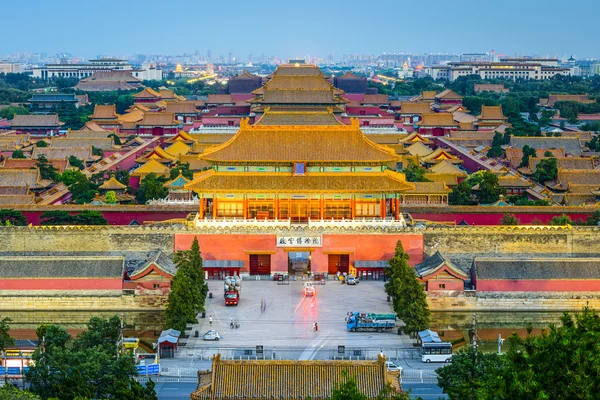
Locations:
180 307
188 289
408 296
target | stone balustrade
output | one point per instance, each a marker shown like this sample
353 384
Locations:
357 223
241 222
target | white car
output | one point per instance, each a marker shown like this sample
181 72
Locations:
392 366
212 335
352 280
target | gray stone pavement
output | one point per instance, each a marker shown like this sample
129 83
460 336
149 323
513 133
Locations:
289 317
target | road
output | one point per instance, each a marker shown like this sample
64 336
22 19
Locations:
174 390
182 390
426 391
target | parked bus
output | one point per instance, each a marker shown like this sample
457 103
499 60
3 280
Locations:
436 352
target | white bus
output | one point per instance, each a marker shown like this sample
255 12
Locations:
436 352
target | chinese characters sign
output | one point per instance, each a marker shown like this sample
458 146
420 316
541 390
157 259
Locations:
299 241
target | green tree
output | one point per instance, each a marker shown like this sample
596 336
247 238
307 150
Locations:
111 197
546 170
18 154
180 309
70 176
122 175
184 168
496 149
82 190
5 339
57 217
97 152
151 188
415 173
12 218
88 366
9 392
468 376
10 112
76 162
90 217
561 363
561 220
347 389
408 296
116 138
461 195
188 289
509 219
41 143
47 170
489 188
527 153
594 219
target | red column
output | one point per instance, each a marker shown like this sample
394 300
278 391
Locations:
397 208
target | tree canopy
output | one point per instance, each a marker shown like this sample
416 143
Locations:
188 289
90 365
408 296
151 188
415 173
12 218
560 363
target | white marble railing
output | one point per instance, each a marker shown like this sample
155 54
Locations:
227 222
166 202
356 223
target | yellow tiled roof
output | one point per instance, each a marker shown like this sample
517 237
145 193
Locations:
446 167
298 118
419 149
429 188
133 116
287 144
415 108
448 94
428 95
491 112
147 93
104 112
290 379
439 155
152 166
448 179
178 148
314 182
158 119
437 119
415 137
195 163
112 184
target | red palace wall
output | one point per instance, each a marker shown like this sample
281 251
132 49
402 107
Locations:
61 284
538 285
359 247
494 217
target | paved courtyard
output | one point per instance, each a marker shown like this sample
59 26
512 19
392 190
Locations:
288 319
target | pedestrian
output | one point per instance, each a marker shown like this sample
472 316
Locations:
262 305
231 322
210 320
316 327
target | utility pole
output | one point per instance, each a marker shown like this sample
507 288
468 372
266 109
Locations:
474 332
120 341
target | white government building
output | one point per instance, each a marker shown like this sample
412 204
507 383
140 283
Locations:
149 71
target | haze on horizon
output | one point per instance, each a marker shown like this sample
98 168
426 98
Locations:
297 29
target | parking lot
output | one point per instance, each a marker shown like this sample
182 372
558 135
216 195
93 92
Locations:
288 318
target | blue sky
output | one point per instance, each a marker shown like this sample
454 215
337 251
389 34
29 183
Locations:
300 27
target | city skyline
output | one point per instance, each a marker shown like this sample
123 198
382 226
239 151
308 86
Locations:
300 30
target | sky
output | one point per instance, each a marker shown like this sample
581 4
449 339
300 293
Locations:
297 28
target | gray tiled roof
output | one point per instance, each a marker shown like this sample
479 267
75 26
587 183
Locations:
61 266
161 260
538 268
571 145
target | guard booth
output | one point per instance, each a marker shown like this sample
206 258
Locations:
370 269
219 269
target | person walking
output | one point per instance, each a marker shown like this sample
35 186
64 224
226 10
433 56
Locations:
316 327
210 320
